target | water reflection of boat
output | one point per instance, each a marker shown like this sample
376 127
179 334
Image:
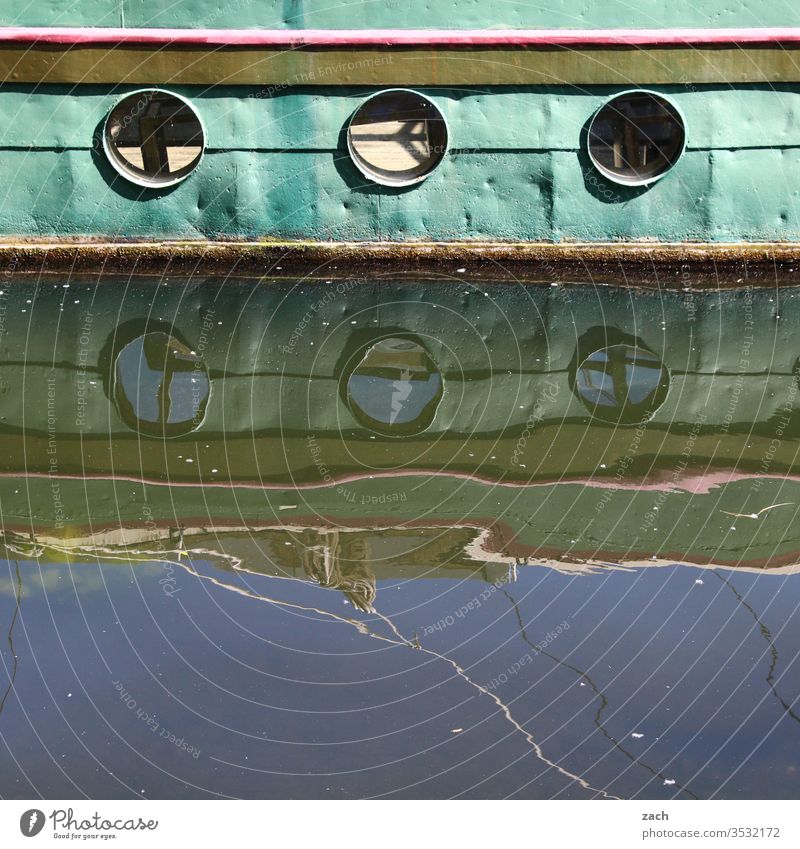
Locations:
309 384
555 425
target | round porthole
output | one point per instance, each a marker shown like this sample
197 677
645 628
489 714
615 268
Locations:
395 388
161 387
153 138
622 384
397 137
636 137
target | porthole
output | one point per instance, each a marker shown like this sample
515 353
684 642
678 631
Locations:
395 388
636 137
161 387
397 137
153 138
622 384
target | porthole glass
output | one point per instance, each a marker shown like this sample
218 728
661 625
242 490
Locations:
622 384
153 138
636 137
161 387
396 387
397 137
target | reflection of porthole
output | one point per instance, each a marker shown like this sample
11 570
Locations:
636 137
160 386
397 137
622 384
153 138
396 387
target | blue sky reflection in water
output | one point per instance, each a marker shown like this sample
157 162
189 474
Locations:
205 682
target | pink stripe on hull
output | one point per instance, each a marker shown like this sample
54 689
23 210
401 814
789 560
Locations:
287 38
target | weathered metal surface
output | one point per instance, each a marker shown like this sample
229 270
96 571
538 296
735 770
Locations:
722 196
299 14
277 167
399 66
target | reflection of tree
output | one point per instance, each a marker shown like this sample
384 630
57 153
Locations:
14 659
340 561
773 649
595 689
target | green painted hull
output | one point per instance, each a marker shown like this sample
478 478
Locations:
277 168
511 455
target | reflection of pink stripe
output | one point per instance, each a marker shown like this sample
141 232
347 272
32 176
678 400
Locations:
699 484
400 37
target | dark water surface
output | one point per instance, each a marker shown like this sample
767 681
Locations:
398 538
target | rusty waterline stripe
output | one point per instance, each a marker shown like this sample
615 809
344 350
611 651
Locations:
678 265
